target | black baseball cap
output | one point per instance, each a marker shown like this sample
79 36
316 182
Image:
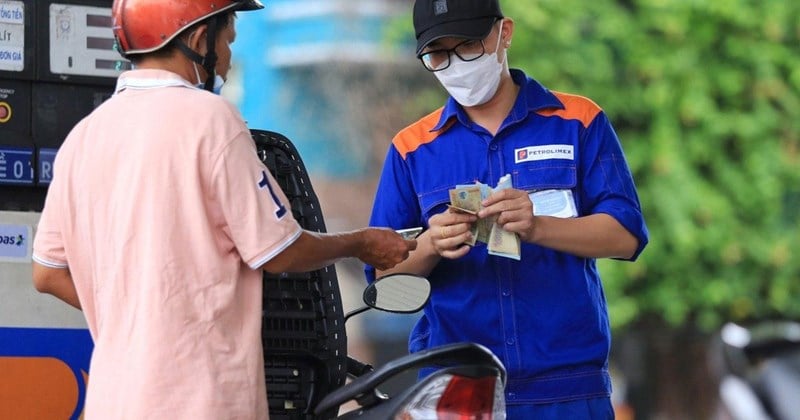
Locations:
469 19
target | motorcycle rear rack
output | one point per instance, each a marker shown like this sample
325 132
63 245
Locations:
303 332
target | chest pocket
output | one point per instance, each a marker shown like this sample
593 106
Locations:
434 202
535 176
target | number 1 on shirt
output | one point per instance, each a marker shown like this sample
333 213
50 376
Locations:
281 211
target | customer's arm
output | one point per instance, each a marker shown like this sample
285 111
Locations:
381 248
57 282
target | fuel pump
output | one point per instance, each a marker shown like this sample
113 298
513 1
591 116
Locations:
57 63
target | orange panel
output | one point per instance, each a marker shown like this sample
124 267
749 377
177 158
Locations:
36 388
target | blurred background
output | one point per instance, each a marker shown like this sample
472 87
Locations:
704 95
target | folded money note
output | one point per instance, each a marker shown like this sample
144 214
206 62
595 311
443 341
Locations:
484 229
467 199
473 229
503 243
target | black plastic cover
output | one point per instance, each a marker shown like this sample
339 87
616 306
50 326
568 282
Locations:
305 345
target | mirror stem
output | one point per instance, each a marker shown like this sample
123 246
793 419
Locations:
355 312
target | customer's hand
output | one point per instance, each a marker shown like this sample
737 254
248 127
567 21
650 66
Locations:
384 248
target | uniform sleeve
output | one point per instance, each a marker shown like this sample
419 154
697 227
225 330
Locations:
395 205
257 215
48 244
608 185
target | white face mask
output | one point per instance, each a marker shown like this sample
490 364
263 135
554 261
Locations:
473 83
218 81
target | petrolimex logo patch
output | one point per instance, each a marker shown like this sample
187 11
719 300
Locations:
548 151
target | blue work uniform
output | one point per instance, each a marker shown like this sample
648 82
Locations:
545 315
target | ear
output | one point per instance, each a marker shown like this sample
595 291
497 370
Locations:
508 31
197 39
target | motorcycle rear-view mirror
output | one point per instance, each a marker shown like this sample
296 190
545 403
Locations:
400 293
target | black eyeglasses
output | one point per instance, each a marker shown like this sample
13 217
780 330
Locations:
437 60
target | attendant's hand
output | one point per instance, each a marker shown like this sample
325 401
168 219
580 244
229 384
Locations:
448 232
514 211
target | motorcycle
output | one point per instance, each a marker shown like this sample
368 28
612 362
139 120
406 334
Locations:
758 367
305 340
470 383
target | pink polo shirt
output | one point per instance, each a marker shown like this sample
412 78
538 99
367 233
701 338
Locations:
163 213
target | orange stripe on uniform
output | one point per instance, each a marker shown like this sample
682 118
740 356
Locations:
415 135
575 108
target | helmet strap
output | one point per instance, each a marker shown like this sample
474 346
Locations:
209 62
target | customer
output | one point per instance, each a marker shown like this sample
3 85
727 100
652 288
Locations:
160 219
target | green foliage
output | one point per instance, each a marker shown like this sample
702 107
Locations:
705 97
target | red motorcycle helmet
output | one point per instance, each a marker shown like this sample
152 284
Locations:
143 26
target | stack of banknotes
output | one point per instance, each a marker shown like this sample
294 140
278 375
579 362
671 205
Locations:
467 199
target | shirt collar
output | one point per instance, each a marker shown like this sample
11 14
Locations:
141 79
532 97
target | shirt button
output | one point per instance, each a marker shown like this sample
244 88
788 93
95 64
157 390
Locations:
493 147
510 342
511 396
506 293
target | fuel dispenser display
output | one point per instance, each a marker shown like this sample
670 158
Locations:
57 63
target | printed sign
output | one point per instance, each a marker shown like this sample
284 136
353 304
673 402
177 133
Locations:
44 372
12 35
46 159
16 166
82 42
15 243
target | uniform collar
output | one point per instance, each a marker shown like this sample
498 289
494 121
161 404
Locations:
141 79
532 97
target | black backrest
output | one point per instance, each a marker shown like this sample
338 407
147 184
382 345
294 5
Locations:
305 345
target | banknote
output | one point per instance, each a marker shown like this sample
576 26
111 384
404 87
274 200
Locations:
473 228
503 243
486 190
409 233
483 228
467 199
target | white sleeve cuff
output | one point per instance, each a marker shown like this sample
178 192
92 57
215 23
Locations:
48 263
263 260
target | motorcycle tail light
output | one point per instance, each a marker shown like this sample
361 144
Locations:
454 397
